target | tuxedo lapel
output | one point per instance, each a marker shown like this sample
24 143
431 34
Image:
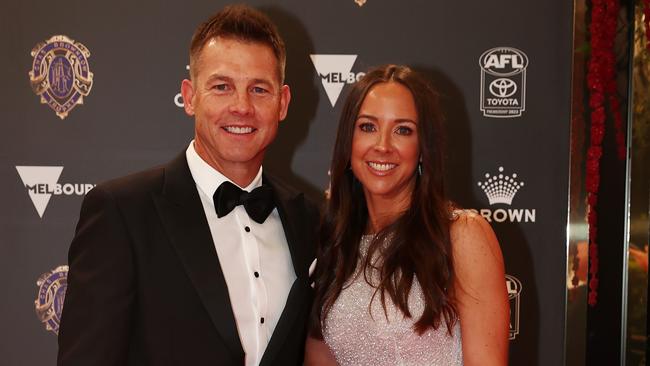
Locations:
183 218
298 296
291 208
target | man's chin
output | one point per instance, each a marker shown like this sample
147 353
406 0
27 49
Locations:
243 157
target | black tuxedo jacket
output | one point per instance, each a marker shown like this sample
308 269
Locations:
145 286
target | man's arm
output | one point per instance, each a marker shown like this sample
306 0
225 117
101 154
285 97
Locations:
96 319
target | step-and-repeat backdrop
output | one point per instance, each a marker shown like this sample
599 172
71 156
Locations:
111 106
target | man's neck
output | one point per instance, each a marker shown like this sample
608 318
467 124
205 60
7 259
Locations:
241 174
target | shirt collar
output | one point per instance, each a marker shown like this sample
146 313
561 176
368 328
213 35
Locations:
209 179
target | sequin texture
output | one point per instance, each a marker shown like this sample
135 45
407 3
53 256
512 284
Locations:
359 336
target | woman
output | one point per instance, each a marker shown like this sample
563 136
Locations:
400 274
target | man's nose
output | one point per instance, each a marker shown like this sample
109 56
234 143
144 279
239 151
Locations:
241 103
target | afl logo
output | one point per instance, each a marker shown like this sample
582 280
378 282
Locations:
503 82
514 291
60 73
51 293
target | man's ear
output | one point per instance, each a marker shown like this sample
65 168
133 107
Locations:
187 91
285 98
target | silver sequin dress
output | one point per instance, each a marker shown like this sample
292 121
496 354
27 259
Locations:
359 337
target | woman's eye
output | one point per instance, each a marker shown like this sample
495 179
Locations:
366 127
403 130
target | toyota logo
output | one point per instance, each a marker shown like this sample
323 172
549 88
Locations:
503 88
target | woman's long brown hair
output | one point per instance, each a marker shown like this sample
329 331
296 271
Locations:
418 240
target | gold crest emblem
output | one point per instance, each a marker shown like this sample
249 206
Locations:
60 73
51 294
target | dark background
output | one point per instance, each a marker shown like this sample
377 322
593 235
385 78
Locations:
130 122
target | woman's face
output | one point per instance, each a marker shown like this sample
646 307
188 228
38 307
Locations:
385 151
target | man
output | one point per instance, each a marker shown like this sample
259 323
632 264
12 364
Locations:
178 265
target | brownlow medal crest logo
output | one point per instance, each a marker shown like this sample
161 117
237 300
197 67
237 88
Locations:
51 294
60 73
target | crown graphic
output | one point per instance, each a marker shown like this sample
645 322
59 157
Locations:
500 188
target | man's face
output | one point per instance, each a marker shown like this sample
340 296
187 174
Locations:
237 101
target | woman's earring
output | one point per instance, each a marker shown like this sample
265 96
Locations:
420 166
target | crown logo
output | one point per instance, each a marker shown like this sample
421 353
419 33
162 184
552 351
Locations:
500 188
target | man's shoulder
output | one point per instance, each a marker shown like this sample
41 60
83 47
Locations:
304 206
286 190
139 183
134 183
281 185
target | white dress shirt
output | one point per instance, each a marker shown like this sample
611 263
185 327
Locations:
254 258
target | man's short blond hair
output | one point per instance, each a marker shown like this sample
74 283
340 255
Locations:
242 23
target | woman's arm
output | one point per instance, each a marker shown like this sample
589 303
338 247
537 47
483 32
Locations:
480 291
317 353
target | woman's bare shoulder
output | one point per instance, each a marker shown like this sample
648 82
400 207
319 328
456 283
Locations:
458 213
469 224
475 246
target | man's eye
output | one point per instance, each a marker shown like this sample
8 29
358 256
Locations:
366 127
221 87
403 130
259 90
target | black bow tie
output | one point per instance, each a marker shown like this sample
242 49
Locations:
258 203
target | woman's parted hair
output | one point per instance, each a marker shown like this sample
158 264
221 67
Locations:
417 243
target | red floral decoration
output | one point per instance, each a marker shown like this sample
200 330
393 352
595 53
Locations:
646 21
601 82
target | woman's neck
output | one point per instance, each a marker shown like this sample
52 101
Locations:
383 212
